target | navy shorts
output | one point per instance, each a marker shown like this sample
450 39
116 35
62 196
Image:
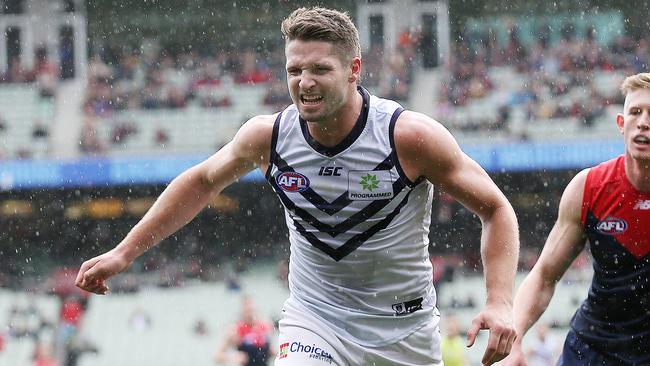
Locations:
578 353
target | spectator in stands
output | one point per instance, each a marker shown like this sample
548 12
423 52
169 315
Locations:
200 328
72 310
39 131
16 73
150 97
394 82
162 137
452 344
252 70
248 341
98 69
140 320
26 320
282 272
212 101
46 74
122 131
176 98
89 142
276 95
543 349
70 343
44 355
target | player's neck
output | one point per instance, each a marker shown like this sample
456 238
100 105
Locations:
638 173
331 132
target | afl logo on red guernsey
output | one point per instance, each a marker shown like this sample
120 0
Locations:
612 226
292 182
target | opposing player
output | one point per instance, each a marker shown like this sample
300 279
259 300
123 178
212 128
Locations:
248 342
355 174
608 205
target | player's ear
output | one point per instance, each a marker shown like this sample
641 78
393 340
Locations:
620 122
355 69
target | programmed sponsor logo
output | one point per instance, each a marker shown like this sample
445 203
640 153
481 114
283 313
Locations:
642 205
292 182
612 226
370 185
313 351
360 196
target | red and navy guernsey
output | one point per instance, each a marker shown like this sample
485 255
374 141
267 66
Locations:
615 317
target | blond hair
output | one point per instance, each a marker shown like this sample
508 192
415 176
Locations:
634 82
321 24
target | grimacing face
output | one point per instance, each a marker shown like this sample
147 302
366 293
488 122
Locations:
634 124
319 81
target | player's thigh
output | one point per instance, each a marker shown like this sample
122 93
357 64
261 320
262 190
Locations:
421 348
300 346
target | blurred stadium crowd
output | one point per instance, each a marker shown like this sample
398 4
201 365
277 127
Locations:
504 90
143 101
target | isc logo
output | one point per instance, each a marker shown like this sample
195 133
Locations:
612 226
330 170
292 182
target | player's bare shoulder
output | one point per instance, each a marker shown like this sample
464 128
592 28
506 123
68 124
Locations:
571 201
423 142
415 125
253 140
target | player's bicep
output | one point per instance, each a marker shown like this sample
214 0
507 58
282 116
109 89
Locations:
567 238
224 167
250 148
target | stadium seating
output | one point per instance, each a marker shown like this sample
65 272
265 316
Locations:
22 110
189 130
20 311
479 120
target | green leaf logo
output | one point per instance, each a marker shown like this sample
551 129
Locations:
369 182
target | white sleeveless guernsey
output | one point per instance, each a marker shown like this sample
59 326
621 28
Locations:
358 227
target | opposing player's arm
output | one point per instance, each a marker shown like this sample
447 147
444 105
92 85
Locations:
428 150
226 350
565 241
182 200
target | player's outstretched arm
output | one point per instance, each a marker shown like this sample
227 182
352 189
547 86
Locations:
181 201
565 241
427 149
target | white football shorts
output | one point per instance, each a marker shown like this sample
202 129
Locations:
307 341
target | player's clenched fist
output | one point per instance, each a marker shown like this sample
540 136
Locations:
94 272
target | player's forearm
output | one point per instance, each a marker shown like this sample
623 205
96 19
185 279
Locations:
181 201
500 253
532 299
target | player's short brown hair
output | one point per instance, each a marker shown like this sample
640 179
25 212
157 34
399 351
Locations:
321 24
634 82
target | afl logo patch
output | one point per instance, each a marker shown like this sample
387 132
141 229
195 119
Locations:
612 226
292 182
